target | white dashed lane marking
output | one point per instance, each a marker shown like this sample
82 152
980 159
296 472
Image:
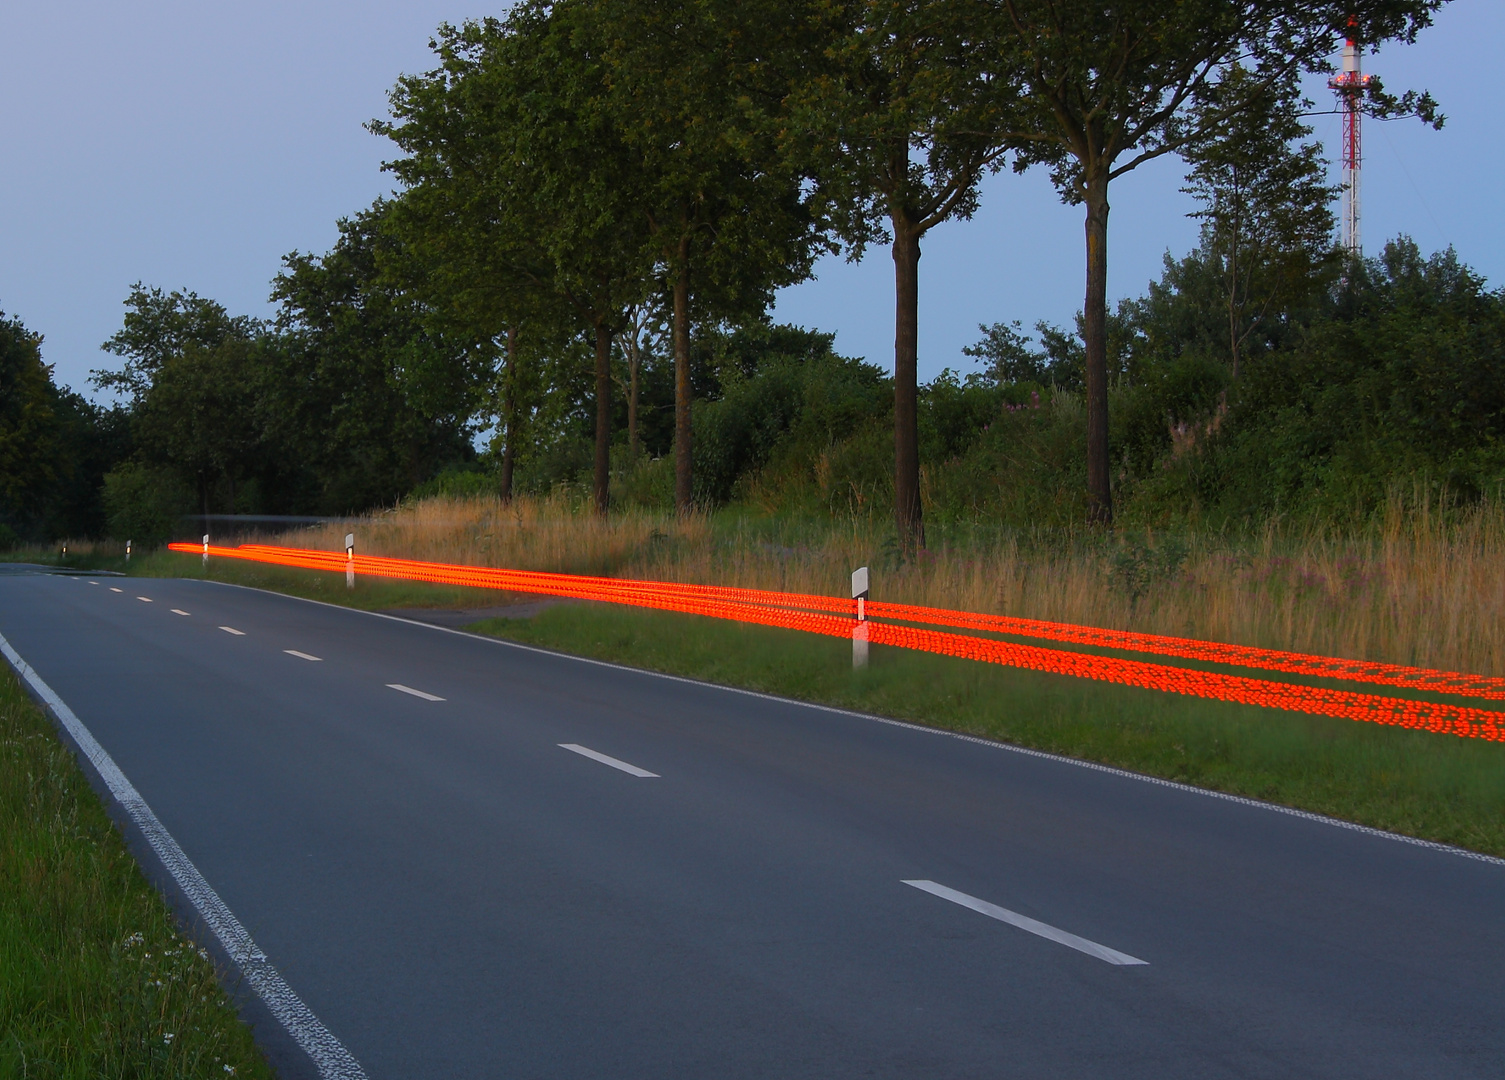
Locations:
179 611
232 630
605 759
301 655
144 599
415 693
1024 922
113 589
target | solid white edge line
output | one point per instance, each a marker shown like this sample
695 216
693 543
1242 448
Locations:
232 630
302 655
606 759
1033 926
1111 770
415 693
334 1062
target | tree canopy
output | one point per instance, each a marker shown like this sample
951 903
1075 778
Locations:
597 201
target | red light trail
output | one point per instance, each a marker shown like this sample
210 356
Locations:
835 617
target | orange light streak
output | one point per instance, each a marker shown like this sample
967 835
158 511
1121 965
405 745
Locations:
834 617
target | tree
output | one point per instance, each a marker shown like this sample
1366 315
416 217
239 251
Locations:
28 424
696 91
200 415
460 239
635 338
907 111
1006 349
367 396
161 325
515 128
1115 86
1266 212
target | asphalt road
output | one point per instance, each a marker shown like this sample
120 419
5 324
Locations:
456 894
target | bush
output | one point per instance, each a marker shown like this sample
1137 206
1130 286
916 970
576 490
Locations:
457 481
8 538
143 503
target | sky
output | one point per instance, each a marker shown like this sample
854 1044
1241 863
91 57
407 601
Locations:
192 145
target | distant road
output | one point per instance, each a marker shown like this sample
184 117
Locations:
472 859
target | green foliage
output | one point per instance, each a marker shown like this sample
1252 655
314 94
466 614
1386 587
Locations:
54 445
1266 206
199 414
1401 375
28 423
785 397
143 503
366 395
598 195
456 481
1138 564
159 326
1006 350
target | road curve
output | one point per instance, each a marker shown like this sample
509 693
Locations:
473 859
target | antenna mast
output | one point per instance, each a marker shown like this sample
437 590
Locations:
1349 85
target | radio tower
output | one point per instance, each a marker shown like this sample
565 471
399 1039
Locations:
1350 86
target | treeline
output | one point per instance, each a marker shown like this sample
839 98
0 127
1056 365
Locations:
598 200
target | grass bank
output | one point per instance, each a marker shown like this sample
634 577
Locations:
1419 585
95 979
1429 786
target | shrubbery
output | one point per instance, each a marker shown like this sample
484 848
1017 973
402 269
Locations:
144 503
1392 376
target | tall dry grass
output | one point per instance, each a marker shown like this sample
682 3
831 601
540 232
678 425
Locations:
1421 585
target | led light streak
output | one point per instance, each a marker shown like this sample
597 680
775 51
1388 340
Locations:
835 617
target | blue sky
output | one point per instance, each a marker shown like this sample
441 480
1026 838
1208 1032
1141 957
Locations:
191 145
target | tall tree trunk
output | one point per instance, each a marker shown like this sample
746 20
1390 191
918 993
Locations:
509 415
603 417
908 514
634 361
1095 317
684 487
1233 287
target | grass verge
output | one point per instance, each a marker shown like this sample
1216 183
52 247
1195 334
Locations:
1430 786
95 979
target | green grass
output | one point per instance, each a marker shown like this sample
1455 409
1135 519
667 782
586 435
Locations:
95 979
1436 787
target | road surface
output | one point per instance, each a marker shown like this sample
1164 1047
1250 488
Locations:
473 859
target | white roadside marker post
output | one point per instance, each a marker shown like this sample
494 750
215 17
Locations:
350 560
859 632
127 551
206 551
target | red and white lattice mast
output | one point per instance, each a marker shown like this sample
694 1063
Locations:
1349 85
